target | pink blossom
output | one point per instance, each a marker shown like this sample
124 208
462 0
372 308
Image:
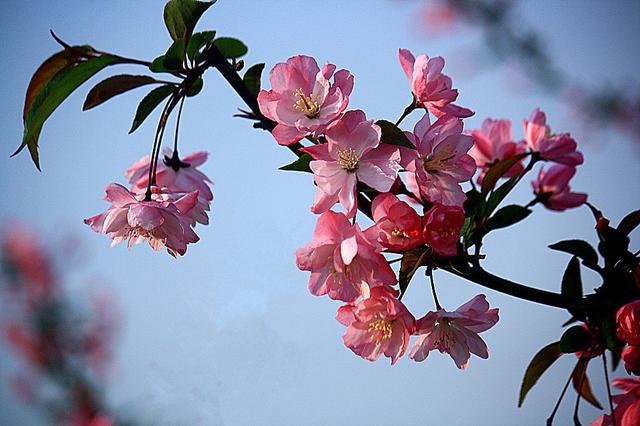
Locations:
631 358
398 227
440 160
442 225
431 88
343 263
352 154
558 148
552 188
378 325
493 143
628 319
627 411
455 333
198 214
161 223
183 179
302 100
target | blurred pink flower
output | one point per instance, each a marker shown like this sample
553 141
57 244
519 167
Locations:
398 227
431 88
352 154
440 160
627 411
161 223
493 143
184 179
302 100
552 188
558 148
455 333
343 263
377 325
442 225
631 358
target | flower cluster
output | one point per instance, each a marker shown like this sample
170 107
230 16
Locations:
67 357
349 152
162 213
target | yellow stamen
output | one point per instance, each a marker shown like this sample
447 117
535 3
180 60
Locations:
348 159
306 104
383 327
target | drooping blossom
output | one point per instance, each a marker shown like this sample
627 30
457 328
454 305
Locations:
353 153
628 319
178 177
431 88
302 100
442 225
558 148
455 333
398 227
377 325
552 188
198 214
161 223
494 142
440 160
342 261
627 410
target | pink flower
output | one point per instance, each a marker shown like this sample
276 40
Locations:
352 154
455 333
558 148
431 88
161 223
302 100
378 325
343 263
552 188
442 225
440 161
631 358
628 319
177 178
398 227
493 143
198 214
627 411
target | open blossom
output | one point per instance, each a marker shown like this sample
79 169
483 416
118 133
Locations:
343 263
627 411
552 188
440 160
302 100
442 225
455 333
161 223
628 319
558 148
183 179
377 325
494 142
352 154
431 88
398 227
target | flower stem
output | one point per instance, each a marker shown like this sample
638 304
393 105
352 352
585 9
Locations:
433 288
606 379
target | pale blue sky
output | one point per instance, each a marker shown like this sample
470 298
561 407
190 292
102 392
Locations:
229 334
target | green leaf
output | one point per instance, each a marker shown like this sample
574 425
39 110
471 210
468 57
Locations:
174 58
251 78
181 16
579 248
474 204
498 170
231 48
300 165
571 281
392 134
158 65
198 41
499 194
507 216
580 376
195 87
538 365
114 86
574 339
629 223
411 261
149 103
53 94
